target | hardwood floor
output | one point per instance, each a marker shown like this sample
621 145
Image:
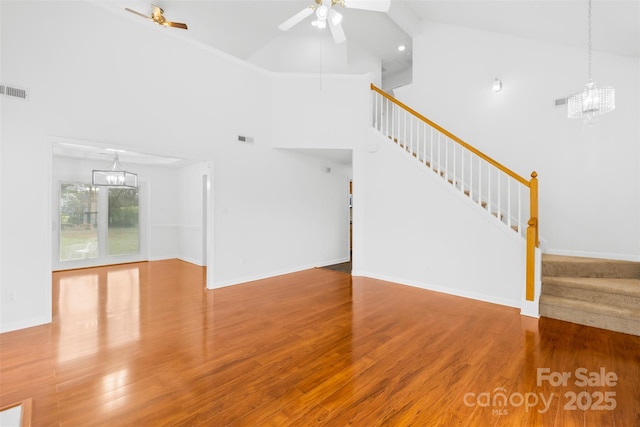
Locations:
146 344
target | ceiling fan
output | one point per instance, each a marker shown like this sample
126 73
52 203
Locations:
325 12
157 16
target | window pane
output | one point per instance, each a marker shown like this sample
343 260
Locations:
78 221
124 233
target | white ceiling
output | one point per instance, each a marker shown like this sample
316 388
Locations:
616 23
243 27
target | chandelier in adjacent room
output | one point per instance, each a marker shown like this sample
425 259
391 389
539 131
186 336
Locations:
116 176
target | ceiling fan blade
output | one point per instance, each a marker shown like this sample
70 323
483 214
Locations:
176 25
337 32
375 5
296 18
137 13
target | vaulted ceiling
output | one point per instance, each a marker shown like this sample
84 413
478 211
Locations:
244 28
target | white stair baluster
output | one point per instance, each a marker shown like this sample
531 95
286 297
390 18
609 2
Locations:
394 121
424 143
480 181
499 212
414 125
509 202
389 119
462 173
453 179
471 175
439 154
386 119
489 187
410 135
417 143
378 111
446 158
520 227
431 151
404 128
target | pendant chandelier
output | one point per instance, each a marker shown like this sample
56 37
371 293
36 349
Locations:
116 176
593 101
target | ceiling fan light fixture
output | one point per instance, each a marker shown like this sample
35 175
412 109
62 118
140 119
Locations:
319 24
325 11
322 12
335 16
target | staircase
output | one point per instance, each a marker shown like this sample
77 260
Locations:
594 292
509 197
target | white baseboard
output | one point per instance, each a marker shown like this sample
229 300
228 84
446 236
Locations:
530 309
175 256
335 261
163 257
191 261
587 254
261 276
23 324
443 289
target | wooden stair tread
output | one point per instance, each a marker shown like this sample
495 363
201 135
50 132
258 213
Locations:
626 286
591 307
619 319
572 266
584 260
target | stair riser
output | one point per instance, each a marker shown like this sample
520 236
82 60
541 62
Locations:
615 300
624 325
619 270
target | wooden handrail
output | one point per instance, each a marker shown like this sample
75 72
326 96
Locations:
532 235
439 128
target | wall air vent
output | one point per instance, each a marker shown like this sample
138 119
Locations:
245 139
13 91
561 101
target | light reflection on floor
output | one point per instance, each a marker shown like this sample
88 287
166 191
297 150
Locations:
97 304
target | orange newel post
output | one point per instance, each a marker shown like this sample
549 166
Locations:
532 237
533 194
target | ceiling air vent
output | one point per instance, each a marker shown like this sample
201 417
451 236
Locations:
13 91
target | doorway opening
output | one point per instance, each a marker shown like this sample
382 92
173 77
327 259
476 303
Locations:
169 215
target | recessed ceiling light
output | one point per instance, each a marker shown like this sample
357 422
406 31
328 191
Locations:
401 48
497 85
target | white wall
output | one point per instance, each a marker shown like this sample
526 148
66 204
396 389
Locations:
317 55
418 232
305 113
96 76
309 205
190 213
164 215
589 177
